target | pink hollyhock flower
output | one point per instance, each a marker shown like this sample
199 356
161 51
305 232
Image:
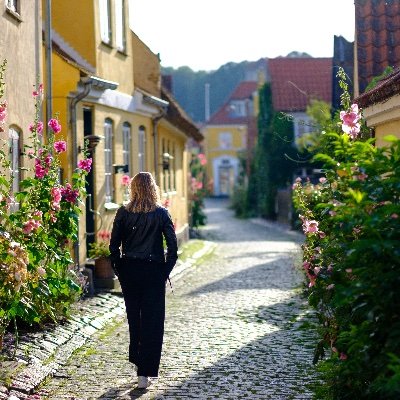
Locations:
310 226
30 226
60 146
350 121
48 159
343 356
39 91
41 271
38 127
3 112
40 171
199 185
56 198
53 218
321 234
85 164
306 265
69 194
394 216
54 125
125 180
322 180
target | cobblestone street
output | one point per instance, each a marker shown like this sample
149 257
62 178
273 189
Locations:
236 327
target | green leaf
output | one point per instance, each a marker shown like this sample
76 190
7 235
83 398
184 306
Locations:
391 138
357 195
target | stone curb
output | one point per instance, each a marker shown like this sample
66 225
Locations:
40 354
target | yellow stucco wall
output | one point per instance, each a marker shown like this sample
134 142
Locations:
173 182
146 66
384 118
390 128
75 21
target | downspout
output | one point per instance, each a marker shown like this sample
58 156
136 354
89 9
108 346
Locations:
155 120
72 112
49 69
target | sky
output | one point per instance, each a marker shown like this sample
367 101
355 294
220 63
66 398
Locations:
205 34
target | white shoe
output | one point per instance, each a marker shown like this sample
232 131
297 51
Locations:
143 382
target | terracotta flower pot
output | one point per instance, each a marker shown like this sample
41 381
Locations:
103 268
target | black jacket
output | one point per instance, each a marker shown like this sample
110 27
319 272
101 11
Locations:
141 237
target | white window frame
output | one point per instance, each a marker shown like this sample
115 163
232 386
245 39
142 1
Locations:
13 5
126 145
120 31
105 21
108 161
142 148
15 135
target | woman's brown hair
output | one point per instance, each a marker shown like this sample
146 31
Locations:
144 193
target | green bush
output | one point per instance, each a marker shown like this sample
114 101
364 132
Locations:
351 257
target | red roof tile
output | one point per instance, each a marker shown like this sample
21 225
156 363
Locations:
296 81
378 37
224 116
387 87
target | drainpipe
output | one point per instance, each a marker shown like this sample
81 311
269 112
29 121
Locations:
155 120
49 70
88 83
72 112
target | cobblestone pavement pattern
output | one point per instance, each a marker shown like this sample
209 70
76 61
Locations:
234 327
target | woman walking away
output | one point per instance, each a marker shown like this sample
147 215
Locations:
137 254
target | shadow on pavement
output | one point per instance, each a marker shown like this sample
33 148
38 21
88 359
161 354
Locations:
258 276
277 365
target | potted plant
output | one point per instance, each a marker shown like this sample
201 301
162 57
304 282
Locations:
99 251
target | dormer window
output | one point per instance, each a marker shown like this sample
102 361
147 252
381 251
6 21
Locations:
237 108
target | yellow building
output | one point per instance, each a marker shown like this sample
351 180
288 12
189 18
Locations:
109 88
21 29
381 107
231 130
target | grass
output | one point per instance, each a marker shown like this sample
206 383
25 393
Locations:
189 248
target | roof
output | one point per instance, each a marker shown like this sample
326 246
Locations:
296 81
61 47
178 117
378 37
224 116
387 87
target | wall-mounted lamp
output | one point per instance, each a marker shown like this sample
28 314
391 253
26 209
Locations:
93 141
166 158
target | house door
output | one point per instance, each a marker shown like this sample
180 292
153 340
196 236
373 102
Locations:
225 175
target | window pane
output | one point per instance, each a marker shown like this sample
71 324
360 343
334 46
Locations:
14 158
142 149
120 24
108 160
105 21
126 144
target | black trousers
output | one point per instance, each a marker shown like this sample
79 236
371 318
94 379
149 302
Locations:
143 287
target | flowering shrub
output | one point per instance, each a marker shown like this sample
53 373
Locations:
351 259
38 224
198 191
100 248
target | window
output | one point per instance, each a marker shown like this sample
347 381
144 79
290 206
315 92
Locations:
120 38
237 108
105 21
142 149
108 160
13 5
14 135
225 140
126 145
